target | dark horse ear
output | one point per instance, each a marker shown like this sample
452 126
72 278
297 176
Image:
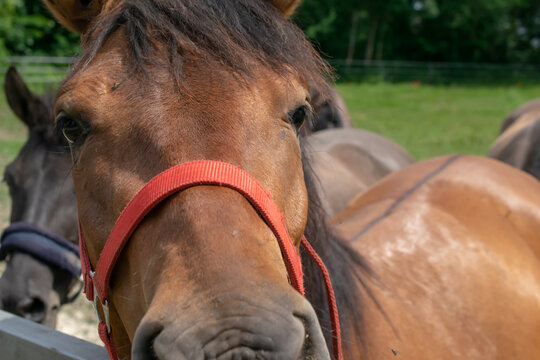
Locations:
19 97
76 15
286 7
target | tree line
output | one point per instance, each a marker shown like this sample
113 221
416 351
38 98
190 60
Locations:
502 31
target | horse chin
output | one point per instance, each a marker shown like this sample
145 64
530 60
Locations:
243 330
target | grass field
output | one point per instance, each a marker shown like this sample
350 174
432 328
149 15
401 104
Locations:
434 120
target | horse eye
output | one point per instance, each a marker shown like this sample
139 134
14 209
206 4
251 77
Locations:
73 130
299 116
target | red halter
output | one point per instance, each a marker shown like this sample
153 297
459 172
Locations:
169 182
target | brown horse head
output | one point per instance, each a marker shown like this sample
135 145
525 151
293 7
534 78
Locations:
161 83
35 284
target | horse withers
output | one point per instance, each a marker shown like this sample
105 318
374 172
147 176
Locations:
518 143
183 119
43 269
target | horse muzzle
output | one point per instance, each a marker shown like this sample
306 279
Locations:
39 262
281 327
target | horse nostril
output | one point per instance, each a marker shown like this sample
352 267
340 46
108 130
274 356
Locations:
31 309
143 343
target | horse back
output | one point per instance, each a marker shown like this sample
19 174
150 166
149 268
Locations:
454 246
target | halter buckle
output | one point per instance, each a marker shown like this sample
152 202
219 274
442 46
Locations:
104 307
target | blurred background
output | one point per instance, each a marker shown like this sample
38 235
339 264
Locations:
436 76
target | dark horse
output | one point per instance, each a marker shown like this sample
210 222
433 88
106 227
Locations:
42 269
518 143
450 267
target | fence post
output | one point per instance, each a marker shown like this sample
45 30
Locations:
22 339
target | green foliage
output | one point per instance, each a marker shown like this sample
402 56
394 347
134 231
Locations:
28 29
426 30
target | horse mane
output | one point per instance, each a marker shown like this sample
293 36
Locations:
238 35
347 268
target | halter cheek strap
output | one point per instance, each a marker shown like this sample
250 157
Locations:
169 182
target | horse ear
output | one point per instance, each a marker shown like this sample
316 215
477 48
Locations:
19 97
286 7
76 15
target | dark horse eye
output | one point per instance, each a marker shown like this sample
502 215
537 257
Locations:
73 130
299 116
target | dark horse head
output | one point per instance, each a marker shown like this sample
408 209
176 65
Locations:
42 270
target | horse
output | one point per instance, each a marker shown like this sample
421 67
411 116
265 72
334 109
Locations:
453 244
346 162
43 267
194 197
46 163
518 143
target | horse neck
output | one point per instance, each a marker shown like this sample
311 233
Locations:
346 268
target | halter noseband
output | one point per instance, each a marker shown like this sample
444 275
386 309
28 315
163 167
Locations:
176 179
44 245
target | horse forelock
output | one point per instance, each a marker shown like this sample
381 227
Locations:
238 35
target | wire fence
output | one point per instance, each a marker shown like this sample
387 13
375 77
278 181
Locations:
52 70
435 72
46 70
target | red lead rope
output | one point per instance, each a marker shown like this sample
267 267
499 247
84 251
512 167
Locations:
178 178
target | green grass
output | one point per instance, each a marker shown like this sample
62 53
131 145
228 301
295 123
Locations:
434 120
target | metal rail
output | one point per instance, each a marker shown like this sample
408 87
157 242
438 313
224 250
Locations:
21 339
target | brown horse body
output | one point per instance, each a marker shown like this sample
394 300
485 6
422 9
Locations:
450 269
457 270
519 141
